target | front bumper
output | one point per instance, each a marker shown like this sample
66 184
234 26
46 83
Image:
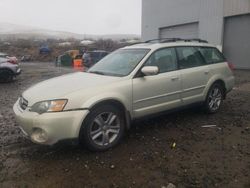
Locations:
53 127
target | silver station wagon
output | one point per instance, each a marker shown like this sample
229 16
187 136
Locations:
96 107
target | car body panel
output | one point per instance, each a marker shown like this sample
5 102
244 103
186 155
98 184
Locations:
152 94
220 72
58 126
194 81
120 91
59 87
14 68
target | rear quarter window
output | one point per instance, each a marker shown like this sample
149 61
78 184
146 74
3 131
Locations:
211 55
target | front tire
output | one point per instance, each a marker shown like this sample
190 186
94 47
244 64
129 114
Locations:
214 98
103 128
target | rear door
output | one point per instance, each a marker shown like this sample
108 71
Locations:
194 72
152 94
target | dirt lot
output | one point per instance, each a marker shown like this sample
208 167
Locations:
203 157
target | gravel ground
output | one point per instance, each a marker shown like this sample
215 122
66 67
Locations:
202 157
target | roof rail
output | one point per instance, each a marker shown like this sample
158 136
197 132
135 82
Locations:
136 43
161 40
197 40
165 40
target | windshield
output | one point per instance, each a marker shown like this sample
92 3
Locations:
119 63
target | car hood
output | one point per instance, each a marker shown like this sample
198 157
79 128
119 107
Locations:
59 87
3 60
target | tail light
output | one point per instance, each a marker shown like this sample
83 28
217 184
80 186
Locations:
231 66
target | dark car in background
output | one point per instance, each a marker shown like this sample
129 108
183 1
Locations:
45 50
92 57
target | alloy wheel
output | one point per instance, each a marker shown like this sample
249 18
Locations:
215 99
105 128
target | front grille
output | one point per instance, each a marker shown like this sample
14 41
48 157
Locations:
23 103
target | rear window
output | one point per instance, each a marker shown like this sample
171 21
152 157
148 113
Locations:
211 55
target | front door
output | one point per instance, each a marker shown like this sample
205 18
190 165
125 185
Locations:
153 94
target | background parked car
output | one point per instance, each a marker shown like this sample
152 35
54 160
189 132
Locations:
12 59
92 57
67 59
3 55
45 50
9 69
26 58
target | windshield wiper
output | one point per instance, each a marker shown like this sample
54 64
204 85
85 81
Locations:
97 72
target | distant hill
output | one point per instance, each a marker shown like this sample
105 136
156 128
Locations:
14 31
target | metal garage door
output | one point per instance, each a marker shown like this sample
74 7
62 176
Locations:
180 31
236 45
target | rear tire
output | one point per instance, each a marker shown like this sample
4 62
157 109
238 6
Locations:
6 75
214 98
103 128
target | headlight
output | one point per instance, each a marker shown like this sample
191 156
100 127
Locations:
49 106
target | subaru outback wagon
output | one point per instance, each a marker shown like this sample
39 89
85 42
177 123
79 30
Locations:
96 107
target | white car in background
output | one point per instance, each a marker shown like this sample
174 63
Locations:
97 106
9 68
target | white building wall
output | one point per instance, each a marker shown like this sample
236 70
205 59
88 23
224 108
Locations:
236 7
163 13
210 14
211 21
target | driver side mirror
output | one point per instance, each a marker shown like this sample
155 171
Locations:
150 70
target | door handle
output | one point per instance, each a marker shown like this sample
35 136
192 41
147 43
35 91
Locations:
174 78
207 72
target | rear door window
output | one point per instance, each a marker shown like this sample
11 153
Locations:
189 57
211 55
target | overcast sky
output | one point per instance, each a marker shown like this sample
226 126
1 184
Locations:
79 16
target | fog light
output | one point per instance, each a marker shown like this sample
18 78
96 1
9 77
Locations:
39 136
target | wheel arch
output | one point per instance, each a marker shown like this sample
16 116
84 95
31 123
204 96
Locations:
7 69
118 104
219 81
222 83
